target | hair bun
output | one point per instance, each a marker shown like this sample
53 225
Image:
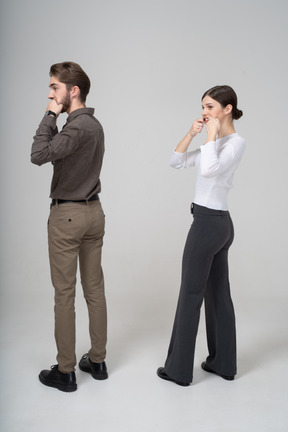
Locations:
237 114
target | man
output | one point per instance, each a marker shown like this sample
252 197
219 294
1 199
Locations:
76 221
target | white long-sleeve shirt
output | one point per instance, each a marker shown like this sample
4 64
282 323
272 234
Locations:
216 162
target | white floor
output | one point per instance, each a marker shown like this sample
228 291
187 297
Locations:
134 398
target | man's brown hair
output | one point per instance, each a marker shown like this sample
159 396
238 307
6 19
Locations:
72 74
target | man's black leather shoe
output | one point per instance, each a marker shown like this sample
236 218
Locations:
97 370
62 381
162 374
206 368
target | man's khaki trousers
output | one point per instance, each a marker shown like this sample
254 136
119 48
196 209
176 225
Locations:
77 230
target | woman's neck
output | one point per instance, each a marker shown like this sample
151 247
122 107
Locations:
226 129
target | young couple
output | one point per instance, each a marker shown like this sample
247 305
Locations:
76 229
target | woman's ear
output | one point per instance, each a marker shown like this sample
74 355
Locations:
228 109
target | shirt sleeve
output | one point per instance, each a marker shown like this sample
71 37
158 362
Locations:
183 160
49 145
215 162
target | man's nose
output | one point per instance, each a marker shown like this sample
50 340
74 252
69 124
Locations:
50 95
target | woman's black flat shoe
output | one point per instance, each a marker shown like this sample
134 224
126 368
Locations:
162 374
208 369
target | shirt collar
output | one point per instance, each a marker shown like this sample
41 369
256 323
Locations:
79 111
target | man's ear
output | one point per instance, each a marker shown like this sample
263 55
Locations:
75 91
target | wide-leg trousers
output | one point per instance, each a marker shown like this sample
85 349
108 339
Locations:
204 275
75 231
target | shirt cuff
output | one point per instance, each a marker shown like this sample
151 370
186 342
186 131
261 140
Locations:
210 145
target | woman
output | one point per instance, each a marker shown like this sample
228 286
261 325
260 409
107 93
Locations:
205 258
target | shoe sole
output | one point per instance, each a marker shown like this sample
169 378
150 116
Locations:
67 389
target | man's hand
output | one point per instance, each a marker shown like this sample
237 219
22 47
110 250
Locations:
53 106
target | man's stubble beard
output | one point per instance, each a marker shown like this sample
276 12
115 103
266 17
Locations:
66 102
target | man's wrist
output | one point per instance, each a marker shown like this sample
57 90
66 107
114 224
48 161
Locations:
51 113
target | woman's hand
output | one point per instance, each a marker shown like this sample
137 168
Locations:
196 127
212 128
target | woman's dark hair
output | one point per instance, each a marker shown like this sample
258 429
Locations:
72 74
225 95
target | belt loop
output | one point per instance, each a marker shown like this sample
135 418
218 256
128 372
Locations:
57 204
192 208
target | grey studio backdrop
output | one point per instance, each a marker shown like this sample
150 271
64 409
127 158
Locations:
149 63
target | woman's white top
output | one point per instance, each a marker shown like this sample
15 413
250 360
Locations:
216 162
